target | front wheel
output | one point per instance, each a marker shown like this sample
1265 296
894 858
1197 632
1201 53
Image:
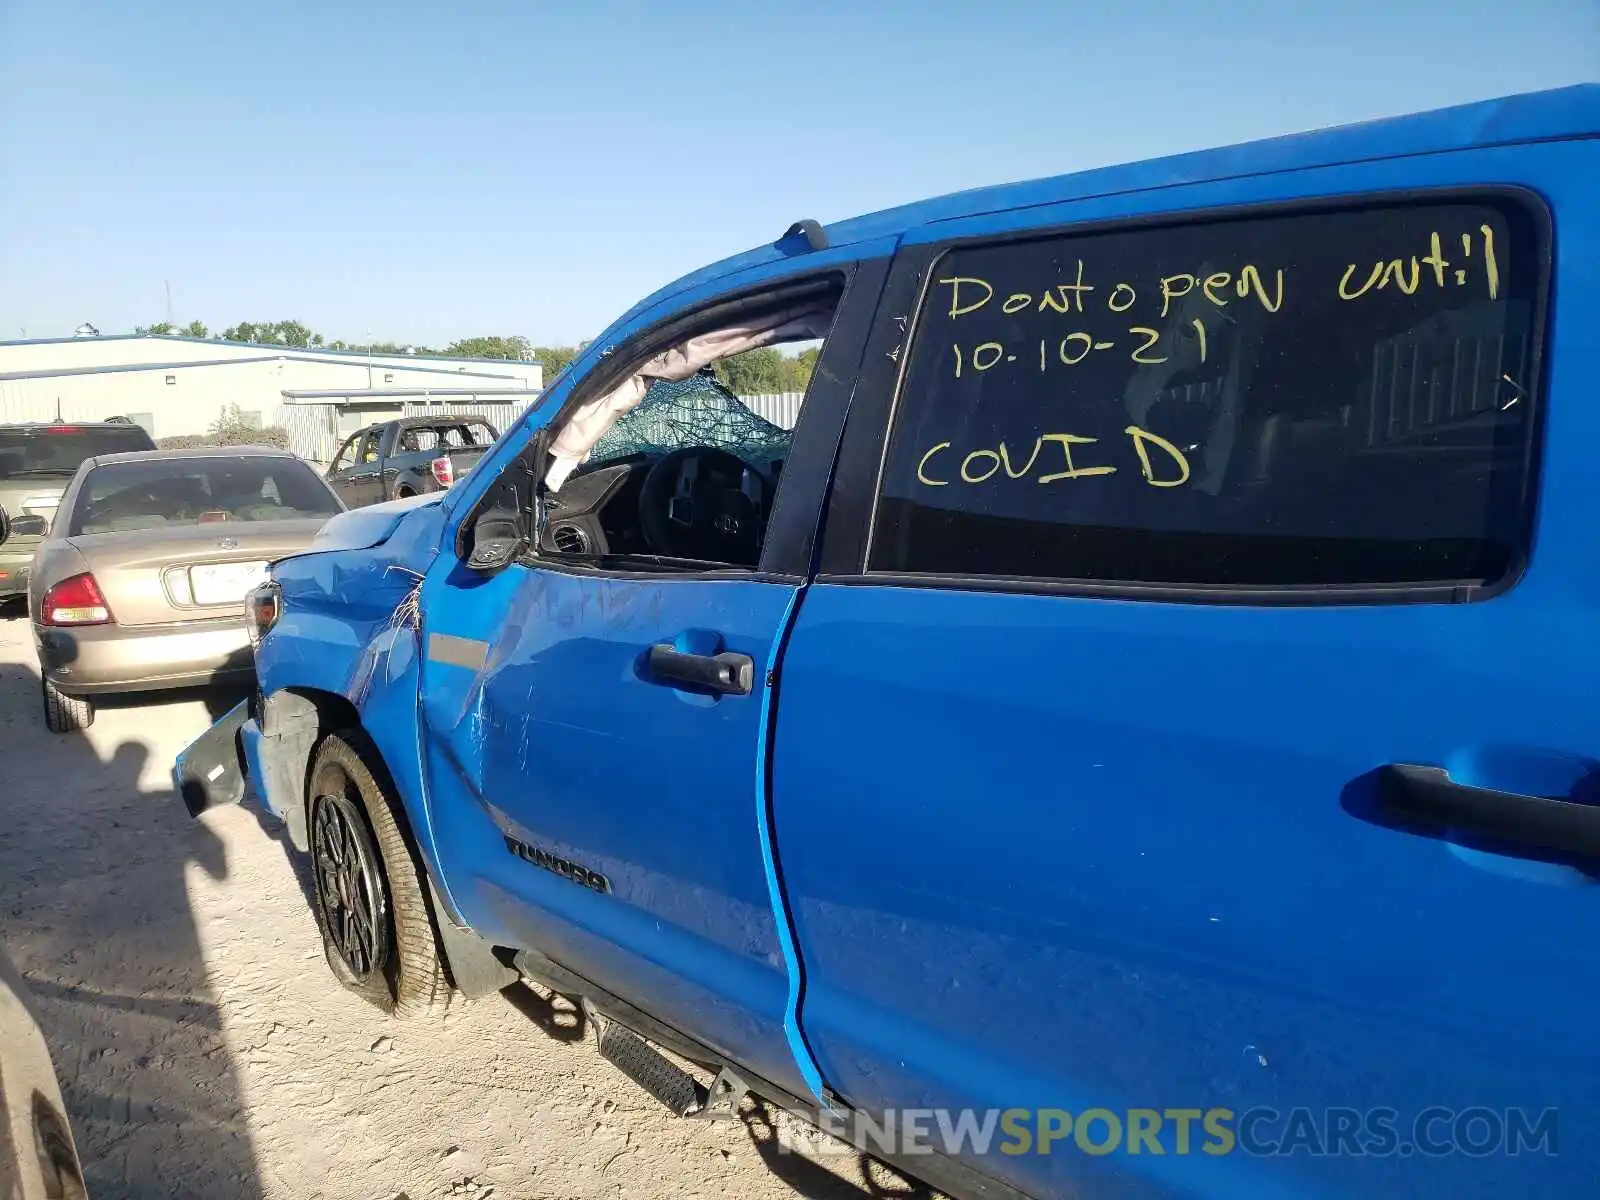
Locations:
64 713
370 898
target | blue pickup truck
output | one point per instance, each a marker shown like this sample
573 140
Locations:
1135 734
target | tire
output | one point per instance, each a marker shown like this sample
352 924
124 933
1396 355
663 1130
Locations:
405 493
370 898
64 713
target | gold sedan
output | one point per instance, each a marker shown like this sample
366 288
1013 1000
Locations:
140 583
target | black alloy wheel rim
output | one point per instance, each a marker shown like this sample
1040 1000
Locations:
349 887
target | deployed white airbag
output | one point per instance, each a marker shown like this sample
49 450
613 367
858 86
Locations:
591 421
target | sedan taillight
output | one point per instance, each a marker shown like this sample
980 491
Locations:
444 471
76 601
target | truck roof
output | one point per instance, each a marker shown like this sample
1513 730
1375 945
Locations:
423 422
1555 114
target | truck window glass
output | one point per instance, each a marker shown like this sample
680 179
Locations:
1332 398
679 471
346 457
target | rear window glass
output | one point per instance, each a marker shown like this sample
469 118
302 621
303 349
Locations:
1333 398
162 493
423 438
58 450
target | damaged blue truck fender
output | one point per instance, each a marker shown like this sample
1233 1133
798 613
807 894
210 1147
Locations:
1131 733
350 647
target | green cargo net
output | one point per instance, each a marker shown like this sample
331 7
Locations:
697 411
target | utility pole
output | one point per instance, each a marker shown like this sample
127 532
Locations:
168 284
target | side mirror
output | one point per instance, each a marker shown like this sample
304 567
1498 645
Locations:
509 521
499 536
493 548
28 525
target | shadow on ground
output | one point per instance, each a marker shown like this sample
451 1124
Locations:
94 910
218 701
848 1175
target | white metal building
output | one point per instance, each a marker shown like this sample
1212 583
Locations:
175 385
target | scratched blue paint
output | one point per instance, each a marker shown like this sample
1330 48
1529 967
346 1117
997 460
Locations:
1029 850
563 714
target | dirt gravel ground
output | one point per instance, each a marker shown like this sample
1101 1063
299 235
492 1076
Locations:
206 1051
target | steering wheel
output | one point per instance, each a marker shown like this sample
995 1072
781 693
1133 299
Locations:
694 505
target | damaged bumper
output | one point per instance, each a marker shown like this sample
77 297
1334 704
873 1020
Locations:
257 752
212 769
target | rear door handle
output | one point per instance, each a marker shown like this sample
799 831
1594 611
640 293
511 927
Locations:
726 674
1429 794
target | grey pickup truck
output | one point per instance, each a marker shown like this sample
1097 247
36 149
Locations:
408 457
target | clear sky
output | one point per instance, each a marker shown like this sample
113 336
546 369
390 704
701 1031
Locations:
429 171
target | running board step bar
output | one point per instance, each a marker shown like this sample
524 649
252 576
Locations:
669 1083
651 1070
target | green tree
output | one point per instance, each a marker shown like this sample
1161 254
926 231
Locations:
383 348
272 333
555 358
753 373
767 370
159 328
514 348
196 329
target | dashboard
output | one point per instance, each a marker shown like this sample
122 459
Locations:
662 505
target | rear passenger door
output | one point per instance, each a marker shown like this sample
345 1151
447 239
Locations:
1206 603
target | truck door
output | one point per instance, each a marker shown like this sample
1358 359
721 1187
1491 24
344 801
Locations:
354 473
1191 740
365 477
595 717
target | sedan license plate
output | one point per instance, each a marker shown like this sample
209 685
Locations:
225 583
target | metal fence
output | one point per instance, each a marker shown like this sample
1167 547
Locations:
313 430
781 408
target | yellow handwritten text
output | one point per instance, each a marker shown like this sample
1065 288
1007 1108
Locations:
957 282
1151 337
1405 274
1060 298
922 466
1491 264
1168 469
972 468
1250 280
1140 438
1067 441
968 294
1175 287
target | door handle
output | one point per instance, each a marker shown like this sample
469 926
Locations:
1538 822
726 674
